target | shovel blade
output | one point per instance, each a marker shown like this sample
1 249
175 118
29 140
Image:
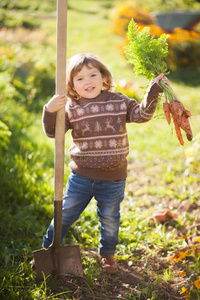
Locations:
67 260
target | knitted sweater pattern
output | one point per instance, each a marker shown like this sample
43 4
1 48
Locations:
98 128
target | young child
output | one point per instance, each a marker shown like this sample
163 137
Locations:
97 119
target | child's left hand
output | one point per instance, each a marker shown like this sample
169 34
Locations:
161 77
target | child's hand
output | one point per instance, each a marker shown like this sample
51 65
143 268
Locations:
56 103
163 77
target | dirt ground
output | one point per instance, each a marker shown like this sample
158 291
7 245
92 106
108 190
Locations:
128 283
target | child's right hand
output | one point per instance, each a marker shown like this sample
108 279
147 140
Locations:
56 103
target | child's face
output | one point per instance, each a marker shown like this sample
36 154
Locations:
88 83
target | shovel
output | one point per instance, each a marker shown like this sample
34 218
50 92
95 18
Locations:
57 260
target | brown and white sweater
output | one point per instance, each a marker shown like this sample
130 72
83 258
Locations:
98 128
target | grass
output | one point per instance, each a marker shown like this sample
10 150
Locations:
161 174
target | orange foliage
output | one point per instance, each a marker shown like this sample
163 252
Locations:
124 12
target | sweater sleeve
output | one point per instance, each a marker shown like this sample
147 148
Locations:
49 122
143 112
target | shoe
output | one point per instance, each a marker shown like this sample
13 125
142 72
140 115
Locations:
108 263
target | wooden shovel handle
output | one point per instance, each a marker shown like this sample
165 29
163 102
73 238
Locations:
60 118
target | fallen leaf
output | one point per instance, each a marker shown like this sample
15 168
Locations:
163 215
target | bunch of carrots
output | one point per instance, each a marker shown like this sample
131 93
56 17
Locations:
148 54
180 115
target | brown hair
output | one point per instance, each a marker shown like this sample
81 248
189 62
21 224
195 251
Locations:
75 65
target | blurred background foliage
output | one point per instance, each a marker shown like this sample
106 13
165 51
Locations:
183 43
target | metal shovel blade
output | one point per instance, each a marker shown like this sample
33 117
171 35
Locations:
58 261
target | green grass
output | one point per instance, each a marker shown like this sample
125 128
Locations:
161 173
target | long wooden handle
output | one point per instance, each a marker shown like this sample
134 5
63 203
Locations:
60 118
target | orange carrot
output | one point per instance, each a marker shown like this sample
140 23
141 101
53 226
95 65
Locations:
180 116
185 125
187 113
166 108
177 109
177 129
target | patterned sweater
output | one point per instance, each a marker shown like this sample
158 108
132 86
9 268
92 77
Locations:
98 128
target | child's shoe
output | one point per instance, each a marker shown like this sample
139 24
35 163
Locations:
108 263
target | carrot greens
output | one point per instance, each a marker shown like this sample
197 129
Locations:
145 52
148 54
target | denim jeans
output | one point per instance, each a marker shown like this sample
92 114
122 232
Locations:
108 194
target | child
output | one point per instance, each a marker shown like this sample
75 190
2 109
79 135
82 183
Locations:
97 119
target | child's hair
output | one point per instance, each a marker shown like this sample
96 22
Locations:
75 65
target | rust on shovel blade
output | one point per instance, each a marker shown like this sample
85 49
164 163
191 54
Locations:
58 261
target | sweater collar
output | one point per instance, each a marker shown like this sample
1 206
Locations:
101 96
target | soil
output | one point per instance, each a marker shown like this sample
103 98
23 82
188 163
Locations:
128 283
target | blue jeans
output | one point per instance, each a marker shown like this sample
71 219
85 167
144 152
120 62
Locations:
108 194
